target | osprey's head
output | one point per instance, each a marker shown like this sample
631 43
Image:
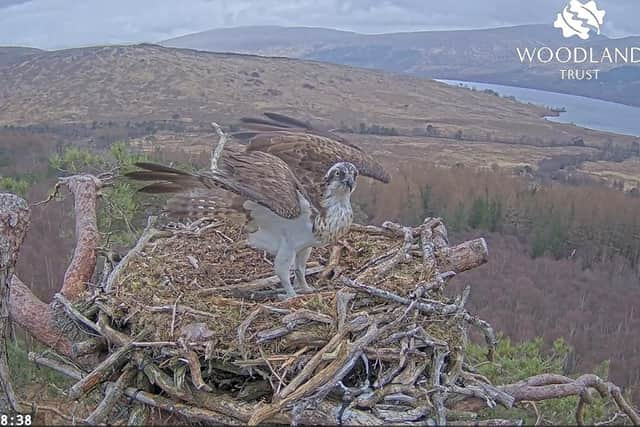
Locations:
341 178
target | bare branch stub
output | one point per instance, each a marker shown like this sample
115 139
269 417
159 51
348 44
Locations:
217 152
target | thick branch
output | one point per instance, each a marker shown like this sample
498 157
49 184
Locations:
85 189
465 256
37 317
113 394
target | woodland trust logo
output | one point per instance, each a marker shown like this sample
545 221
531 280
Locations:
580 20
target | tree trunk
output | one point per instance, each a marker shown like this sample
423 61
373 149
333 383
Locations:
24 307
14 221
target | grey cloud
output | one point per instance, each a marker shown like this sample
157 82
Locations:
7 3
66 23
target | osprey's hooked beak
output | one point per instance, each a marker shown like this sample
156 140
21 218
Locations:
350 182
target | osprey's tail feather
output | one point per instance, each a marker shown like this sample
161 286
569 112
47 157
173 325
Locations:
192 199
196 205
168 179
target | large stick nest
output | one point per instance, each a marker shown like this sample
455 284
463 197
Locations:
379 331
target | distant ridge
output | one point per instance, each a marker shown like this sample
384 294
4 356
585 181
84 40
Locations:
484 55
13 54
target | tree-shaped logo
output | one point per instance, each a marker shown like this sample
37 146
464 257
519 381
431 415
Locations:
580 19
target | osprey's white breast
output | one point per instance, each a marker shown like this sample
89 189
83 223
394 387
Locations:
335 220
268 231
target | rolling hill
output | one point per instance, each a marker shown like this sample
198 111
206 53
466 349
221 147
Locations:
487 55
11 55
149 82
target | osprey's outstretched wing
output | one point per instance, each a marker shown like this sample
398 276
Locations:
315 153
310 156
276 122
306 149
257 176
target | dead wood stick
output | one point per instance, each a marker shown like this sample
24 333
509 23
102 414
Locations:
291 322
104 369
147 234
377 259
375 230
544 387
310 367
158 377
90 346
306 315
68 370
217 152
343 298
426 308
369 400
242 329
321 384
36 408
487 330
139 413
74 313
114 392
188 411
383 270
196 370
113 336
331 374
258 284
272 334
182 309
438 397
486 392
465 256
430 272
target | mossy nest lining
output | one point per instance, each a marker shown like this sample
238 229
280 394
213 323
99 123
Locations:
378 319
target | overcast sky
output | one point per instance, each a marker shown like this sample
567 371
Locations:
53 24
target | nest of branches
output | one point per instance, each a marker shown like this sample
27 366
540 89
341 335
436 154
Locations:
377 343
189 322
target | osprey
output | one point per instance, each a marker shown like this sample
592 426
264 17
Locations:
293 181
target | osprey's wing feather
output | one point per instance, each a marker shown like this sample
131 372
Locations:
315 153
310 156
257 176
262 178
276 122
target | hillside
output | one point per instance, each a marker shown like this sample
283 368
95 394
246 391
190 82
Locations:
148 82
11 55
487 55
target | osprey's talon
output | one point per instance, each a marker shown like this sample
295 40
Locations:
284 297
306 289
